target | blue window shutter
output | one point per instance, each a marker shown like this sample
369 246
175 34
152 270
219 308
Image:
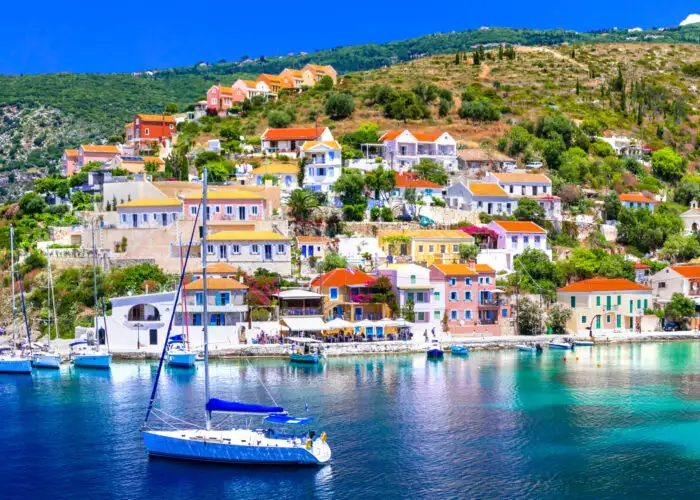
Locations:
218 298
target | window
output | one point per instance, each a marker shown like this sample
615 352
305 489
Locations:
534 190
584 320
254 210
410 297
453 315
467 296
145 131
597 321
639 303
511 189
443 249
544 189
453 281
144 217
436 315
236 249
223 298
597 300
468 314
420 248
333 293
488 280
453 296
646 303
210 249
514 241
537 240
481 280
229 209
199 298
619 300
508 208
193 210
662 284
197 319
171 126
217 208
280 249
421 316
420 297
413 279
468 281
607 318
526 240
479 205
573 301
455 248
124 219
255 249
436 296
504 312
155 216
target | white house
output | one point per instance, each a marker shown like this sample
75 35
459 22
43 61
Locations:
289 141
250 250
149 212
691 218
676 279
353 250
518 236
481 197
324 164
425 190
537 187
637 200
403 148
624 145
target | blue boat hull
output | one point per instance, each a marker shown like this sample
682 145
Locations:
186 449
565 347
436 353
583 343
16 365
101 361
305 358
459 350
183 359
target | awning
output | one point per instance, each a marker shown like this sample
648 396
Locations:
298 294
304 324
338 323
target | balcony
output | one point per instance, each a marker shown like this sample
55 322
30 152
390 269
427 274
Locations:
301 311
491 302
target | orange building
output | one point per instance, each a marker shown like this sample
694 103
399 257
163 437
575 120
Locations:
146 130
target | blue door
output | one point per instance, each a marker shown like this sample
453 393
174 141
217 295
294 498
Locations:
311 250
303 250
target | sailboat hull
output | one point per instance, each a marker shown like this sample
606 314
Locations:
184 359
15 365
219 446
46 361
102 361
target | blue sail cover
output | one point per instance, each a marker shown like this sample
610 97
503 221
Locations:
288 420
234 406
176 339
80 342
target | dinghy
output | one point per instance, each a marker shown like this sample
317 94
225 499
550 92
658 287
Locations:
459 349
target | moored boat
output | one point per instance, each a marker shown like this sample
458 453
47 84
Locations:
459 349
178 354
561 345
302 350
47 359
84 356
45 356
529 348
11 363
584 343
435 349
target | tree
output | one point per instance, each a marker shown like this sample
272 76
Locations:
457 58
529 210
528 317
426 92
339 106
151 168
350 187
536 273
668 165
32 203
301 203
444 107
324 84
688 190
612 206
301 173
333 260
171 108
480 110
679 308
270 177
648 230
278 119
431 171
557 317
468 253
382 181
409 311
679 248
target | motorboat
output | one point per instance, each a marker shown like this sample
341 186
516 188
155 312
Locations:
83 355
459 349
178 354
303 351
529 348
435 349
561 345
584 343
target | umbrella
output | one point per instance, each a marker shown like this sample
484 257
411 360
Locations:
337 323
367 323
402 323
386 322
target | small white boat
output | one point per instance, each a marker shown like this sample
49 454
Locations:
584 343
46 360
302 351
435 349
84 356
11 363
526 348
561 345
178 354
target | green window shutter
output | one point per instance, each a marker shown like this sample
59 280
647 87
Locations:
639 303
573 301
583 320
631 305
619 321
597 300
597 321
646 304
619 300
608 302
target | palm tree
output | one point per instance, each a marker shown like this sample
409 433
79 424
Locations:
301 203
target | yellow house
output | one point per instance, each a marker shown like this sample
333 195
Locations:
431 246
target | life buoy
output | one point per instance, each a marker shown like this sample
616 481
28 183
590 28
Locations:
323 437
308 444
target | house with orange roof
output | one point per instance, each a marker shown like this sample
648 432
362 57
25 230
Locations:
537 187
312 246
147 131
404 148
324 164
319 71
276 83
348 293
220 98
289 141
425 190
636 201
473 304
518 236
481 197
96 153
69 161
299 77
605 305
252 88
225 300
149 213
683 279
285 173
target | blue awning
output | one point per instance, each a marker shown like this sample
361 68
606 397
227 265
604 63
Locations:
176 339
234 406
80 342
288 420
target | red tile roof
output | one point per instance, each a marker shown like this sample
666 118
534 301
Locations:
157 118
409 182
287 134
639 265
419 136
519 226
636 197
464 269
687 271
312 239
391 135
604 285
343 277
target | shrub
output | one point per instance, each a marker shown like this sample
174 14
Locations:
340 106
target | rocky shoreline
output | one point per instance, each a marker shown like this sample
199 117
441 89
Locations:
402 347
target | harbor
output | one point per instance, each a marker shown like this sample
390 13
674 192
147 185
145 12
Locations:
492 423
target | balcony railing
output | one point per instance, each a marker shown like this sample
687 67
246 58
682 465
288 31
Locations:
299 311
491 302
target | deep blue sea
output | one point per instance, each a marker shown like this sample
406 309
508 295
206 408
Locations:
619 421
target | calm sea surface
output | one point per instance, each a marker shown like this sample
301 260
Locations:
493 424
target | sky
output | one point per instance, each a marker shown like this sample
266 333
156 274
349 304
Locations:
84 37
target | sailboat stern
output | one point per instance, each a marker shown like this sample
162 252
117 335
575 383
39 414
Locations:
46 360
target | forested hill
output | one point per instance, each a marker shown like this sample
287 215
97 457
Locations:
42 114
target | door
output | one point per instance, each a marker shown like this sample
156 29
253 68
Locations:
268 252
619 321
311 250
358 314
303 250
223 252
490 208
164 217
241 213
135 220
153 336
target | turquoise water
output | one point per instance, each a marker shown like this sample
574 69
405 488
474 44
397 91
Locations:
618 422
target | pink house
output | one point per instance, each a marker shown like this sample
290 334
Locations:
228 205
473 306
222 98
98 153
69 161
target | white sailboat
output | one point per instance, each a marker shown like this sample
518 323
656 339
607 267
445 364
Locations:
179 353
82 353
237 445
46 356
10 362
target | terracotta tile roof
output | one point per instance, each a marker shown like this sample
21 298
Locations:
434 234
403 182
312 144
519 226
427 137
99 148
218 268
343 277
276 168
217 284
247 236
687 271
295 72
604 285
153 159
128 125
312 239
70 153
298 134
151 202
636 197
464 269
226 90
224 194
391 135
156 118
639 265
250 83
271 78
486 189
535 178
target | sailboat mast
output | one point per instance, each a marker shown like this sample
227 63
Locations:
48 297
53 302
12 278
94 283
183 301
205 319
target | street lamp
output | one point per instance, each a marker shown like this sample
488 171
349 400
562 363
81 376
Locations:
590 327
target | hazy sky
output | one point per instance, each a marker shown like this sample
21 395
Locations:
79 36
